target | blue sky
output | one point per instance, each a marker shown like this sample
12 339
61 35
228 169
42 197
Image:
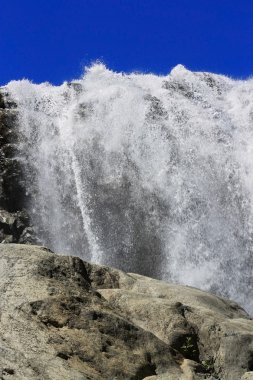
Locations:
52 40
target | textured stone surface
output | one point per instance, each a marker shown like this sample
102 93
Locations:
211 331
62 318
54 325
247 376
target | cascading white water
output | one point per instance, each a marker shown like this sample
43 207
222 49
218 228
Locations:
151 174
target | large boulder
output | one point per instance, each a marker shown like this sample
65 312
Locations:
204 328
62 318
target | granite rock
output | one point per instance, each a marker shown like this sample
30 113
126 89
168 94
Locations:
63 318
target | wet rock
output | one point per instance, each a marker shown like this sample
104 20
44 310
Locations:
15 225
15 228
12 186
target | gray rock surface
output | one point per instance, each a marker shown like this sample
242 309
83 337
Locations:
247 376
62 318
204 328
54 325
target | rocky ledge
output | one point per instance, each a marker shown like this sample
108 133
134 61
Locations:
63 318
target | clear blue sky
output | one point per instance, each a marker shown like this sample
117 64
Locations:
52 40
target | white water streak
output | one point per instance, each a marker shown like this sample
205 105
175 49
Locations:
148 173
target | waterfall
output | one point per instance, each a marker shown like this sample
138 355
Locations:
150 174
